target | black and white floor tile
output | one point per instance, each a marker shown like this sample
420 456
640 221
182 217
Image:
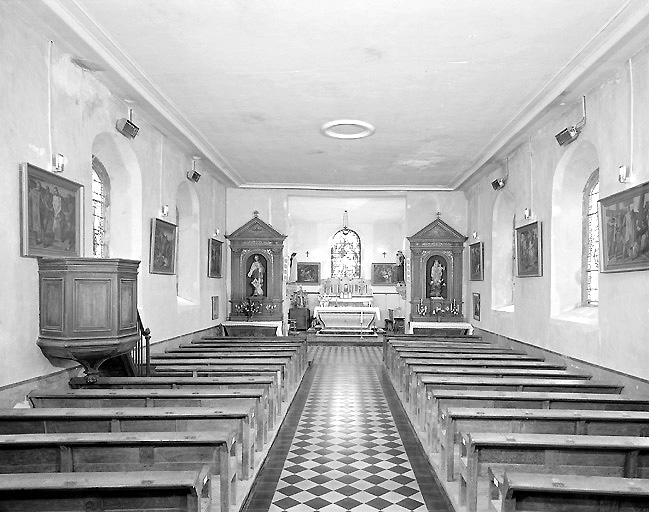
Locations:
347 451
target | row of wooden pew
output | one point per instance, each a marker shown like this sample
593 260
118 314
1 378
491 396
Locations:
188 438
507 431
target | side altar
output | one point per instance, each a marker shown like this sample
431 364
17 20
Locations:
257 272
346 308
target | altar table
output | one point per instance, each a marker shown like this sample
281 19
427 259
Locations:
466 326
347 320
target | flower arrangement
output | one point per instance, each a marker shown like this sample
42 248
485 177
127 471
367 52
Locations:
248 307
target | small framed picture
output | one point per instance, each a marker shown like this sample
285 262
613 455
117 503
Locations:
624 225
215 307
163 247
50 214
476 261
476 306
308 273
214 257
529 250
384 274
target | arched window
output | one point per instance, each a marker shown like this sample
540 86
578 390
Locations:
100 196
346 254
590 245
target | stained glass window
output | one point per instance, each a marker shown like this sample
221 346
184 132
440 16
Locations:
99 209
591 241
346 254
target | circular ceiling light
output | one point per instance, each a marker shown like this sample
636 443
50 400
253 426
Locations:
347 129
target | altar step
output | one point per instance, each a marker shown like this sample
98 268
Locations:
347 339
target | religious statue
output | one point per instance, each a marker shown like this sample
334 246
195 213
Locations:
257 273
399 268
436 279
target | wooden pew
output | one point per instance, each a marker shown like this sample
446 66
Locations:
171 491
422 339
568 493
270 398
415 372
619 456
207 351
240 415
457 420
290 372
456 350
438 400
226 370
428 383
133 451
144 397
402 370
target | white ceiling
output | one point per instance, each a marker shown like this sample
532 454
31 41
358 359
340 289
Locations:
449 86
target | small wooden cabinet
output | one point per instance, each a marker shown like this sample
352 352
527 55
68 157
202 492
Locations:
302 317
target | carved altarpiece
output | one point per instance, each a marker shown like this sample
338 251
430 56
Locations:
257 270
436 254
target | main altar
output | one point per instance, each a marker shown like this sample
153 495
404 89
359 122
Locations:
346 308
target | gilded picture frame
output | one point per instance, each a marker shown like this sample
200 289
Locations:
163 247
51 214
529 250
476 306
214 258
383 274
308 273
476 261
624 229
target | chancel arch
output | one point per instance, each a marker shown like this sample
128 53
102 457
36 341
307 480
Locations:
571 177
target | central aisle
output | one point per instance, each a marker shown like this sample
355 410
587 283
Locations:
347 452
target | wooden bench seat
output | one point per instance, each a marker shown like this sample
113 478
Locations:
240 415
618 456
439 400
132 451
428 383
395 352
171 491
299 353
539 492
415 372
289 367
458 420
145 397
402 371
225 370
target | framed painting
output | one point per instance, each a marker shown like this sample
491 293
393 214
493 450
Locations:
624 225
308 273
51 213
476 261
214 257
215 307
163 247
529 250
476 306
384 274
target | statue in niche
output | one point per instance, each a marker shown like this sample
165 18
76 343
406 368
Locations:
436 279
256 272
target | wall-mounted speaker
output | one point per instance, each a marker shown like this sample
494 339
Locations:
498 184
193 176
127 128
567 135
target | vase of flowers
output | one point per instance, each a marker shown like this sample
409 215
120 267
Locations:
249 308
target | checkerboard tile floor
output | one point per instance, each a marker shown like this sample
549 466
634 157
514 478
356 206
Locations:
347 453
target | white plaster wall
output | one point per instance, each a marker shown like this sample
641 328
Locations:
615 335
82 110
